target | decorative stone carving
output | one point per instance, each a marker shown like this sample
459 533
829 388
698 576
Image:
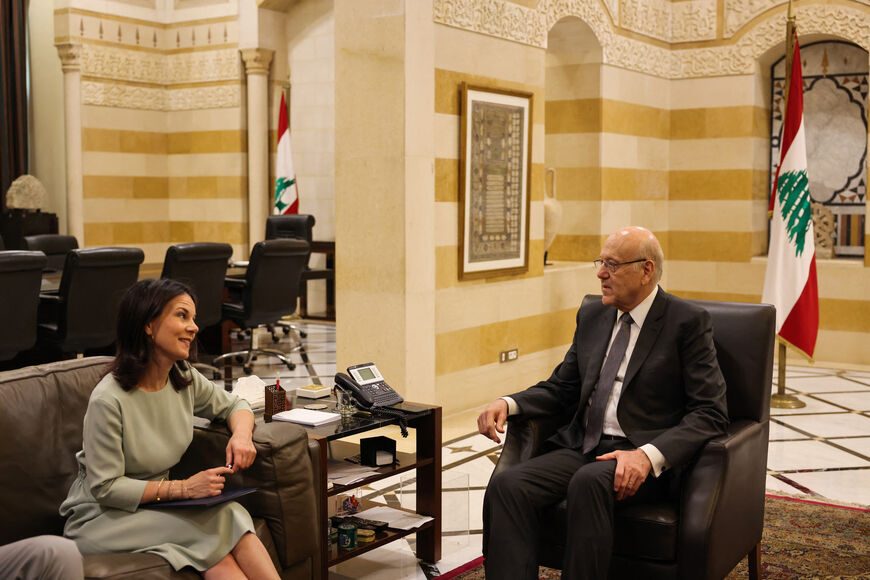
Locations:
692 21
494 17
741 57
70 56
824 227
159 99
739 12
26 192
650 17
689 20
110 62
257 60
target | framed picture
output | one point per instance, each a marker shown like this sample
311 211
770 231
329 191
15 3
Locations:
494 181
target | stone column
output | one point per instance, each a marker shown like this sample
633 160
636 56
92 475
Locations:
384 190
257 61
71 63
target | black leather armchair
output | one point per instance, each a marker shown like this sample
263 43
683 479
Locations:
718 515
268 292
20 279
81 315
54 246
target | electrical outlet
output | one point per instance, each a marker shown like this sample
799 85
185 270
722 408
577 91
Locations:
508 355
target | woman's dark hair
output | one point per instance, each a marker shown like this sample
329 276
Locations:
143 302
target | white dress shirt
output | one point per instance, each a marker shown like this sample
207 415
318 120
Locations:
611 424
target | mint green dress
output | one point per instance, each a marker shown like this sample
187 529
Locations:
131 437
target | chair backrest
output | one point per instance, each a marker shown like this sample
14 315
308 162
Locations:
744 335
42 409
203 267
54 246
295 226
272 279
91 287
20 280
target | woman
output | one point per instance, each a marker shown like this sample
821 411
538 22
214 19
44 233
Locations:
138 424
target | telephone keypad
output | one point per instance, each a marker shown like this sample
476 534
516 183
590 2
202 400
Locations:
382 393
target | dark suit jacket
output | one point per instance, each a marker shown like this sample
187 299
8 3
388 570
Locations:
673 395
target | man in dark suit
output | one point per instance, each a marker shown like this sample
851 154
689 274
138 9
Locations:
643 377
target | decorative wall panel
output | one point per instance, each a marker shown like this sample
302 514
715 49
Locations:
688 21
110 94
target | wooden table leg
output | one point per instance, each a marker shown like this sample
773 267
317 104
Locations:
429 485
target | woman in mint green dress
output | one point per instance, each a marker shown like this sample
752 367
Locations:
138 424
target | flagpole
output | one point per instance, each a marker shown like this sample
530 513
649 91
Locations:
780 400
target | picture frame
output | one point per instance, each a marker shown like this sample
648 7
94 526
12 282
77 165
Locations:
494 181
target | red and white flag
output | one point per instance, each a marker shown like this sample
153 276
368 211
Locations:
790 283
286 192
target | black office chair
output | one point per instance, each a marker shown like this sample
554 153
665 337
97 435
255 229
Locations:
20 279
203 267
81 315
299 227
268 292
718 518
54 246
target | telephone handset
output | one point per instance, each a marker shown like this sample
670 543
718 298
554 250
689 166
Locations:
368 386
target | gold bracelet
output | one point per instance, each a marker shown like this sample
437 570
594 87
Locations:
158 488
169 492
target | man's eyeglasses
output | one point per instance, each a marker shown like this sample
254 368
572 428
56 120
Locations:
614 266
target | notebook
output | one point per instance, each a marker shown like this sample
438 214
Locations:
306 417
203 501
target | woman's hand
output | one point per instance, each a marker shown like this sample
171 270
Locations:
206 483
240 451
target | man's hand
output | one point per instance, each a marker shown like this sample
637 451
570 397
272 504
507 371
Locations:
491 421
632 468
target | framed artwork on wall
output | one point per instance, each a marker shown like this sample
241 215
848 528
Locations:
494 182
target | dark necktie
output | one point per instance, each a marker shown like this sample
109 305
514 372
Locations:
601 394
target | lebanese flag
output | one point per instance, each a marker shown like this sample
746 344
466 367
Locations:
286 193
790 283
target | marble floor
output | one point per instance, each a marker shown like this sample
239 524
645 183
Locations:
820 451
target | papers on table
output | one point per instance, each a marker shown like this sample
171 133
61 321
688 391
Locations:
252 389
345 473
306 417
396 519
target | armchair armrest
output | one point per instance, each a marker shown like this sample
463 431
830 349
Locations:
282 470
723 499
524 438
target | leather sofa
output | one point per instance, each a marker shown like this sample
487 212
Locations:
42 409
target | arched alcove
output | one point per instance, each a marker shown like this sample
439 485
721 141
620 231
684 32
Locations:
573 128
835 116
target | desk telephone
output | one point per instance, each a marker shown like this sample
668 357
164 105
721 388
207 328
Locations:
371 392
367 386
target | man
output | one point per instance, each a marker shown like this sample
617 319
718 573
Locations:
648 394
41 558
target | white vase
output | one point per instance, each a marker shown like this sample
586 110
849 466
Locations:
552 213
